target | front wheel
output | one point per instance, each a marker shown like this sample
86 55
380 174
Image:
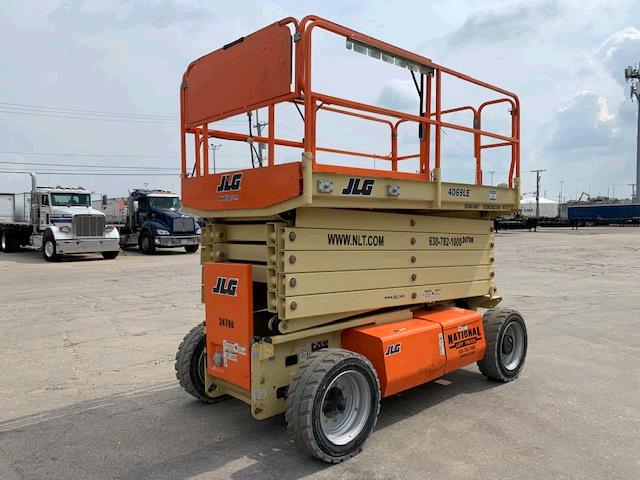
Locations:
191 248
146 244
506 336
333 404
49 250
191 365
110 255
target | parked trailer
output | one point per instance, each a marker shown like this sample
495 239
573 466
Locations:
327 287
56 220
151 219
604 214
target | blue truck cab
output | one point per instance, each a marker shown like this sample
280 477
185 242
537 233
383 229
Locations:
152 219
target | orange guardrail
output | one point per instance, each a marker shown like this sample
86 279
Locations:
274 66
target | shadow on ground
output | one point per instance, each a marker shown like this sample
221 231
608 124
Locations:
163 433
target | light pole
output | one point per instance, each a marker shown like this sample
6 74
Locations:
633 75
560 196
213 151
491 172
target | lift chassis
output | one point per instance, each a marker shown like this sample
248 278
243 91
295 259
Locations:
328 287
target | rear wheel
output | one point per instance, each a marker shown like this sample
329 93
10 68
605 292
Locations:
110 255
146 244
49 251
8 242
506 335
191 248
333 404
191 365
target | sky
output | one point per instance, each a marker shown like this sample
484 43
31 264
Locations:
92 86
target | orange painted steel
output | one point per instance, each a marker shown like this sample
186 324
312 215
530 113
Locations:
405 354
259 71
253 188
463 334
411 352
228 301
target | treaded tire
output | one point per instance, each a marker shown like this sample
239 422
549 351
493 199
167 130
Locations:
305 396
110 255
188 363
151 247
495 323
53 257
191 248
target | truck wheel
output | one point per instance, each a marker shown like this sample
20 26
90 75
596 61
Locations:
49 248
333 404
506 335
191 248
191 365
9 243
146 244
110 255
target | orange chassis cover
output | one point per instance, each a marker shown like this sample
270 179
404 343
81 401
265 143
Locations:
229 321
411 352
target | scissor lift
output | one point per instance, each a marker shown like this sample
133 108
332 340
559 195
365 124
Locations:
327 287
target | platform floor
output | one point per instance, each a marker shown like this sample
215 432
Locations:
88 389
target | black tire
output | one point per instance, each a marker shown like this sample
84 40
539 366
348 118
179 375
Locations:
310 402
191 248
146 243
190 361
110 255
506 337
50 252
9 242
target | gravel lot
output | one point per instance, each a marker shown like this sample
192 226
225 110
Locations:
88 386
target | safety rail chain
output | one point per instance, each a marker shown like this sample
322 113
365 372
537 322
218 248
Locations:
303 95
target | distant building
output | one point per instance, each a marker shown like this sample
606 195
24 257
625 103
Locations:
548 208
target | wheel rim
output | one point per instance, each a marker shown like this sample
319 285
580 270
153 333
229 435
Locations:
48 248
145 243
345 407
202 366
512 346
4 242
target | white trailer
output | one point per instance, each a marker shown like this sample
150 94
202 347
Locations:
57 221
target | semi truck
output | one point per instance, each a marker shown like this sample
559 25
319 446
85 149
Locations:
151 219
55 220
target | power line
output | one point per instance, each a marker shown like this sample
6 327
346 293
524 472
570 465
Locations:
69 154
24 106
88 165
91 174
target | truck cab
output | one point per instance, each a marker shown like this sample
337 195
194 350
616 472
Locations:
68 224
154 220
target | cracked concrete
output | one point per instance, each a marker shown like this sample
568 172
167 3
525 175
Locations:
88 386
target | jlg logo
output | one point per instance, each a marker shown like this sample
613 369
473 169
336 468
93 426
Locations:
229 183
226 286
392 350
353 187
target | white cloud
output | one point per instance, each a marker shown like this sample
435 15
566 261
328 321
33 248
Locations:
505 21
584 123
618 51
399 95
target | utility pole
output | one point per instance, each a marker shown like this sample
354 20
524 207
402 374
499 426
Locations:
213 151
491 172
633 190
537 172
633 75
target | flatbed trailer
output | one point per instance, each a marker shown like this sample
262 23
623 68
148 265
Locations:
326 286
